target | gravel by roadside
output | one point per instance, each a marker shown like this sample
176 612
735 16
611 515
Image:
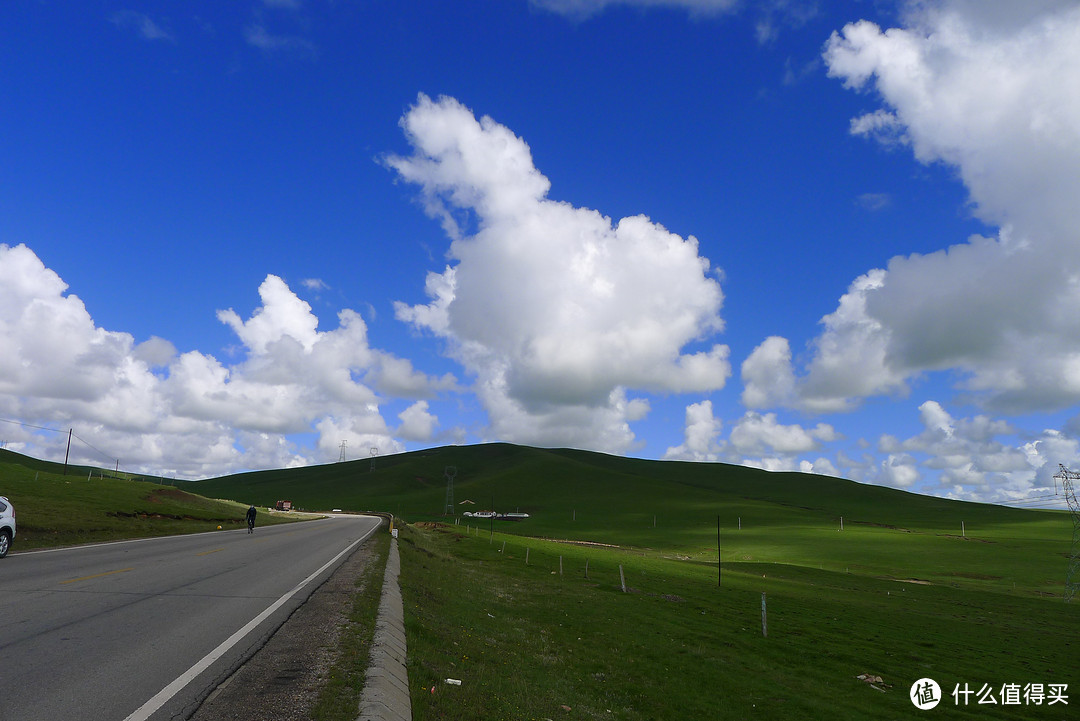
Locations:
281 682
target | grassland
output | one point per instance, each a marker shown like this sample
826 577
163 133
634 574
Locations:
912 587
86 505
527 640
859 580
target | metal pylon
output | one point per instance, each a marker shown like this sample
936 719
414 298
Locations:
450 472
1072 576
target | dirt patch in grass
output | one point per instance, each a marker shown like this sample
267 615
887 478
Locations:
174 517
880 525
579 543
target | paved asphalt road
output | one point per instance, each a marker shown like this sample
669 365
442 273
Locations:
145 629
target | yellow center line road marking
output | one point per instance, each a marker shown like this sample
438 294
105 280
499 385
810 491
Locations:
96 575
207 553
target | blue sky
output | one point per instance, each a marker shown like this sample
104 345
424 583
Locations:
838 238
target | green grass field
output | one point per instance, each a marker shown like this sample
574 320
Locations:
53 509
526 640
911 587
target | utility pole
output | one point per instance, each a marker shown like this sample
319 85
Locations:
68 453
719 557
341 456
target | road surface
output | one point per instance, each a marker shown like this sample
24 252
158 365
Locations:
144 630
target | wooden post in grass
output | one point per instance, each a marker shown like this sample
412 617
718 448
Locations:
963 531
841 523
503 548
527 556
740 523
764 617
574 517
587 570
622 579
719 558
560 565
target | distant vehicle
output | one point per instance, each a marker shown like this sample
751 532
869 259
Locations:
7 526
283 505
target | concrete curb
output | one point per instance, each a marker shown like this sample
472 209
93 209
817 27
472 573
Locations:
386 691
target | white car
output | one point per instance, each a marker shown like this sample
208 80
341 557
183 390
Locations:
7 526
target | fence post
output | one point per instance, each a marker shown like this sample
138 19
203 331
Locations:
719 557
622 579
764 617
527 556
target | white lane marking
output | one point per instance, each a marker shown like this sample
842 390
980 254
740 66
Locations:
161 697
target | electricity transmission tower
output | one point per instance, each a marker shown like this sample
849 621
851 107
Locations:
341 456
450 472
1072 577
374 454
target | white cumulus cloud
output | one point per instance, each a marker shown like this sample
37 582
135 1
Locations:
556 310
156 410
701 435
757 433
985 88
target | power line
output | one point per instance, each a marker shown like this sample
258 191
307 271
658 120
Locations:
85 442
30 425
100 452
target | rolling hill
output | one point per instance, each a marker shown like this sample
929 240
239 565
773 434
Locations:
790 518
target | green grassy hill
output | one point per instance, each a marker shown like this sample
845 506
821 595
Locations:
764 517
912 587
89 505
532 618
